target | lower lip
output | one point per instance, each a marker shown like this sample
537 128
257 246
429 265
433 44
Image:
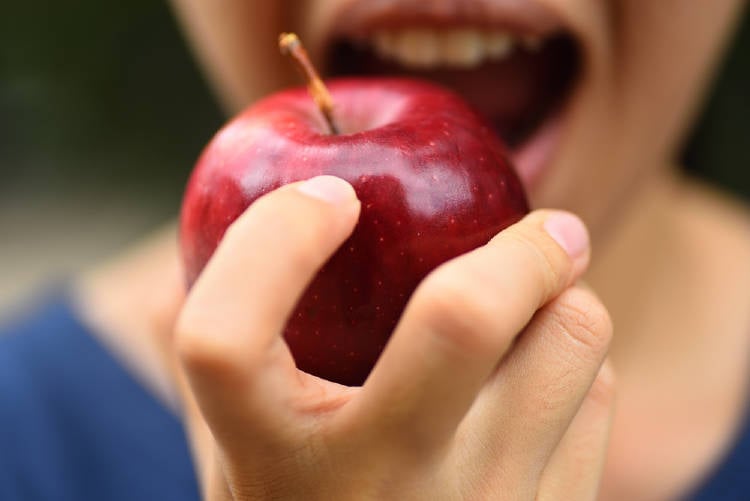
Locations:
533 156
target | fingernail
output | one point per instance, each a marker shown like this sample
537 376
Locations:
331 189
569 232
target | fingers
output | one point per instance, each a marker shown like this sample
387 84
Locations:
461 321
528 404
228 335
202 445
574 470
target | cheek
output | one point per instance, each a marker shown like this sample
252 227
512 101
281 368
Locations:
642 83
668 51
309 18
235 41
593 175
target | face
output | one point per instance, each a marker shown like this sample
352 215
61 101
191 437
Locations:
592 96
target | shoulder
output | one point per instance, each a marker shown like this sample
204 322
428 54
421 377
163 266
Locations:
717 226
74 424
29 421
730 479
722 214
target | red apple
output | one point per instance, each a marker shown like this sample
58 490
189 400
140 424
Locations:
434 182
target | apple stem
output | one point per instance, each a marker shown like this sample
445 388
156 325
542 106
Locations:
290 44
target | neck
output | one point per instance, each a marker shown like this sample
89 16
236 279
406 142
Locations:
666 277
676 280
628 262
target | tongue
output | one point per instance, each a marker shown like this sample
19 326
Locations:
515 94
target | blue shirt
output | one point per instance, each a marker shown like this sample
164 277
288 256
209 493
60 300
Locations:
76 426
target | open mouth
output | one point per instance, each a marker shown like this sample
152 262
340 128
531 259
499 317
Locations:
513 61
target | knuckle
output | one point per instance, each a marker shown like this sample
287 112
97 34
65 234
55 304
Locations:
544 262
453 308
199 349
585 320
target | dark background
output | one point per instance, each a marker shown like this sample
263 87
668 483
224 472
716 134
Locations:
103 112
99 96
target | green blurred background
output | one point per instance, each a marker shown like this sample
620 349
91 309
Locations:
103 112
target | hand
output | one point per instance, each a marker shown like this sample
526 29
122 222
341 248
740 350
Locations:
492 386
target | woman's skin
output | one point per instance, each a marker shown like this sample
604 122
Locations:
670 265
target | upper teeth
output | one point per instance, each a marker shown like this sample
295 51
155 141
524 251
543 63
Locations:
457 47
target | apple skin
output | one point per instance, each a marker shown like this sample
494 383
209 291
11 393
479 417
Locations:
433 178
